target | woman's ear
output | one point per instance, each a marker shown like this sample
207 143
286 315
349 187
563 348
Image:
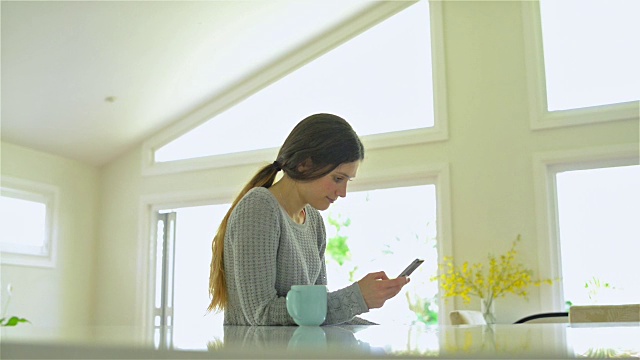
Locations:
305 166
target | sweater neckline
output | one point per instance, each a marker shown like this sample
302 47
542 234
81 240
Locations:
286 215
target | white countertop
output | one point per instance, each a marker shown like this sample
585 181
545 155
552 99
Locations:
497 341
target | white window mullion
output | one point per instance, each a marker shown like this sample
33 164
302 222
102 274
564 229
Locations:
165 249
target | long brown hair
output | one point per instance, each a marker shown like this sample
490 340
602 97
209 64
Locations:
323 142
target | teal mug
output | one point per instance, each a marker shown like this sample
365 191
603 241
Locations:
307 304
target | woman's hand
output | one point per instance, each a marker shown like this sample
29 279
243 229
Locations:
376 288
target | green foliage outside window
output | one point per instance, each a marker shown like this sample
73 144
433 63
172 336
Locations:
337 247
425 309
596 289
595 286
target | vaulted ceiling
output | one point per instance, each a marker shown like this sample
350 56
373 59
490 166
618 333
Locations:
88 80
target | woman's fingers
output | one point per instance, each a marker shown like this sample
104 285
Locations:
380 275
377 288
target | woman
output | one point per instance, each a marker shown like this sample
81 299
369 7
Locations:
273 236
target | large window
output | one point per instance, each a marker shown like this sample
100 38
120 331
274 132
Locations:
380 81
183 255
365 233
27 223
590 52
598 210
581 61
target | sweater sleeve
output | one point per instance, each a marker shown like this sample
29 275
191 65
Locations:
344 304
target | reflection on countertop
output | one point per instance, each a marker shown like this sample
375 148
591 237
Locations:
347 341
495 341
293 339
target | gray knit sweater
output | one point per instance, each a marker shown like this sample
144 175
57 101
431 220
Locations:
266 252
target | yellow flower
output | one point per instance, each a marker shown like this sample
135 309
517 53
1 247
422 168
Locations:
504 276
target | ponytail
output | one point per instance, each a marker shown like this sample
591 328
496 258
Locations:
217 283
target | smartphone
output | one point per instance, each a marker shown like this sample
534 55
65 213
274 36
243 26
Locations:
414 265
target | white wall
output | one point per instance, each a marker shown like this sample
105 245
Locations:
62 295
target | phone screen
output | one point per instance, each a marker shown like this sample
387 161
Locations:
414 265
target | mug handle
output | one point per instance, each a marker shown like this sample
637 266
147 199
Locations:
293 295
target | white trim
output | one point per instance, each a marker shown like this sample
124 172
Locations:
145 273
545 166
286 65
214 161
440 130
40 256
445 235
539 116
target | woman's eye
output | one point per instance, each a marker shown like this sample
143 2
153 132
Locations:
339 179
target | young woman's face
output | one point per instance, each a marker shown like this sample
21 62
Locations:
321 193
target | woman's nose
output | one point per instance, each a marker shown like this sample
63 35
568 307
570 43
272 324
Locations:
342 191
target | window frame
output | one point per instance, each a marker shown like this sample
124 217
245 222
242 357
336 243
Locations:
437 174
307 53
546 166
539 115
42 256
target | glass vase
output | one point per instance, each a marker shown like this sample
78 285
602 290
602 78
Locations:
488 310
